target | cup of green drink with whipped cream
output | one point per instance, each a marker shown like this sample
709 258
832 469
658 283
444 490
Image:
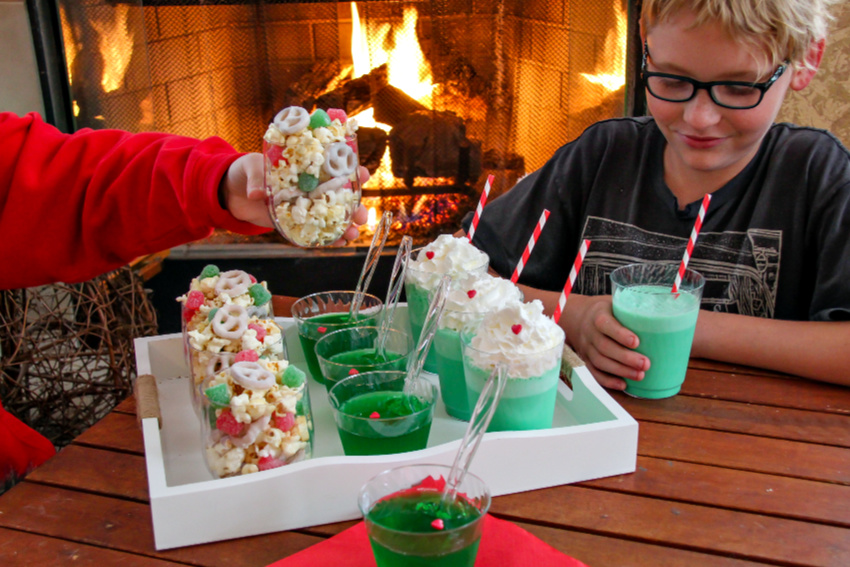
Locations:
469 300
530 344
447 255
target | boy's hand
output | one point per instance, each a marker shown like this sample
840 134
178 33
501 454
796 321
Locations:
243 190
604 344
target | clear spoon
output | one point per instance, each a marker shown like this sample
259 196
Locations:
382 231
478 423
429 328
402 258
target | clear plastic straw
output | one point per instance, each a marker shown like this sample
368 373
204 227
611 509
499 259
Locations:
402 258
379 239
478 423
429 328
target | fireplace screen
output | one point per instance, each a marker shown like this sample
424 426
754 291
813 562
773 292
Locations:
446 91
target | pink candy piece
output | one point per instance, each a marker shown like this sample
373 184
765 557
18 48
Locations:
337 114
261 331
246 356
374 415
353 371
517 329
471 293
195 299
322 329
269 463
438 524
429 254
228 425
275 155
284 422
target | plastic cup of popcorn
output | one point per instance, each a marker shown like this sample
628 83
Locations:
256 416
311 174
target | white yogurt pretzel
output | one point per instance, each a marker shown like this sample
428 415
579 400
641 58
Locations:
340 160
233 283
230 321
292 119
252 376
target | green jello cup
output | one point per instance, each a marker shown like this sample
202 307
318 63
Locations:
346 352
400 507
321 313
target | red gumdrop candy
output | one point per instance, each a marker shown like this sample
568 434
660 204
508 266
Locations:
275 155
337 114
269 463
195 299
246 356
228 425
353 145
188 314
261 331
284 422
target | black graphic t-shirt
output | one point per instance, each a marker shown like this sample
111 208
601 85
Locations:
775 241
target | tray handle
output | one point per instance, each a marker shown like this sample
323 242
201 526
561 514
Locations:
147 398
569 360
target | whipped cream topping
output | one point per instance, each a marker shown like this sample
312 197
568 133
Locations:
520 336
447 255
473 296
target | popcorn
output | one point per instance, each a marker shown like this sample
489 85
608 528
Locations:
245 436
309 185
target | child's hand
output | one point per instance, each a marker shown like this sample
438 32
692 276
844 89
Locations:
243 189
603 343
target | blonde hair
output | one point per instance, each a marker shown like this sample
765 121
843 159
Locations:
784 28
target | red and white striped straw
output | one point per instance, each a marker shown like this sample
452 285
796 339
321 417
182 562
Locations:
530 246
568 287
480 208
691 242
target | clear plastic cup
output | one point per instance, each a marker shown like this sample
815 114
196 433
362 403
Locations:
322 313
255 416
375 417
400 508
663 321
346 352
313 208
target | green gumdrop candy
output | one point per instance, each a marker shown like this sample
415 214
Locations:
307 182
299 408
319 119
218 395
211 417
209 271
211 314
260 294
292 376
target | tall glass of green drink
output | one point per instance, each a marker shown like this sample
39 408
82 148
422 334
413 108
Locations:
346 352
407 526
321 313
375 416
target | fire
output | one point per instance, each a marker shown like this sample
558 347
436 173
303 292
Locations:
115 43
614 76
372 220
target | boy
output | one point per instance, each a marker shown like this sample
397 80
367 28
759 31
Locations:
775 243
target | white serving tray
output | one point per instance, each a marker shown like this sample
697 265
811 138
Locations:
591 437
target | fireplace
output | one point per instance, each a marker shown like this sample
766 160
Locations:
446 91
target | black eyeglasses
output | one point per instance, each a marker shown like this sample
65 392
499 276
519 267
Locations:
739 95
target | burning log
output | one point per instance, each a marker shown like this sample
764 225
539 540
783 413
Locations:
371 143
433 144
392 105
311 85
355 95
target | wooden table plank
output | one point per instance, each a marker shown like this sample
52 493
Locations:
116 431
744 452
126 526
772 391
752 419
733 489
21 549
684 526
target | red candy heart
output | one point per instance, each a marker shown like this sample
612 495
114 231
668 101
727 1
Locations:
471 293
322 329
374 415
438 524
353 371
429 254
517 329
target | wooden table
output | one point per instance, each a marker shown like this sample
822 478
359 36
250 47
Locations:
742 468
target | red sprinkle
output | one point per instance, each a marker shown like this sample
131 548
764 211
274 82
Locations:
429 254
471 293
195 299
374 415
246 356
517 329
261 331
353 371
438 524
322 329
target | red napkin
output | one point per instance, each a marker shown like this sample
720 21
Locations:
502 543
21 447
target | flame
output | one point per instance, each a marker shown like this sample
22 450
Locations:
372 220
613 76
115 43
